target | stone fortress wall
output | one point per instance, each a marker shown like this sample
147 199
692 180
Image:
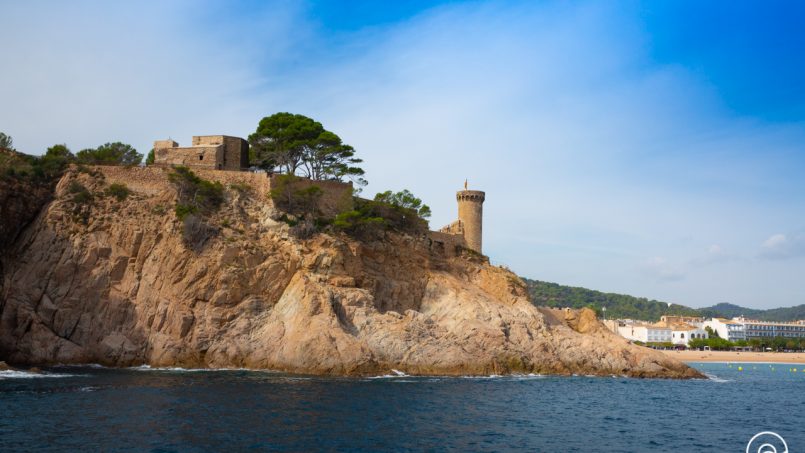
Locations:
153 180
223 159
213 152
235 150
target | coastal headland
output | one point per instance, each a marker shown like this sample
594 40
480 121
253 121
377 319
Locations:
109 271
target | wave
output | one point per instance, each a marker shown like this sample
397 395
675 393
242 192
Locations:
394 374
17 374
192 370
714 378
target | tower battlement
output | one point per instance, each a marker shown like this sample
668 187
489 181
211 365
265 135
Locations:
470 218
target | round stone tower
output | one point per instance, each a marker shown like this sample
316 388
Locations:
471 216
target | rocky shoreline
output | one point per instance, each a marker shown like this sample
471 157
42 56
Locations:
113 283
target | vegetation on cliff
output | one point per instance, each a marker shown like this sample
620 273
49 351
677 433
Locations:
116 153
26 184
124 288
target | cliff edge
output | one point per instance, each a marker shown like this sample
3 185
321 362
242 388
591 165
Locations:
97 279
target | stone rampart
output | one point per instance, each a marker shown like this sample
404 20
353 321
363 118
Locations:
445 244
152 180
336 196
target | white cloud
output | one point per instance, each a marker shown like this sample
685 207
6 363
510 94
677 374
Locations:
591 155
89 72
784 246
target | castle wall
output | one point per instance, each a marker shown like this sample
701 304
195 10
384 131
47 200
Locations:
236 153
454 228
336 196
219 152
195 156
445 244
153 180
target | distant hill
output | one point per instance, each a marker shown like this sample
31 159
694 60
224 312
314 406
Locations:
624 306
726 310
617 305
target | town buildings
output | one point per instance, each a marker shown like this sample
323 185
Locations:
679 330
766 329
727 329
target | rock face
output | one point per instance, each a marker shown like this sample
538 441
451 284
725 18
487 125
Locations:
112 282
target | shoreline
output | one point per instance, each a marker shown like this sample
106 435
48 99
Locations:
737 357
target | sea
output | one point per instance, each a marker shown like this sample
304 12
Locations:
91 408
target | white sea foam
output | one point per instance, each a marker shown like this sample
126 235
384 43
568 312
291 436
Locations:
394 374
189 370
714 378
16 374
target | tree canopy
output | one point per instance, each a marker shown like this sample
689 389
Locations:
404 200
55 159
295 144
6 142
110 154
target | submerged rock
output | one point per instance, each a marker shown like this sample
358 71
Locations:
112 282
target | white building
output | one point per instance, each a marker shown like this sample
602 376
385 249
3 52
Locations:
727 329
645 333
766 329
682 333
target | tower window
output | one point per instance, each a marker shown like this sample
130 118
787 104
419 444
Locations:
200 157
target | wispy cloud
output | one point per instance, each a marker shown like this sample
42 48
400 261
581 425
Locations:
591 153
784 246
660 269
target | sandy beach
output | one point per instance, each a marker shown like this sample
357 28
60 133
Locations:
731 356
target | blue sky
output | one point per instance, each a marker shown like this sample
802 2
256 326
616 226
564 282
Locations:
648 148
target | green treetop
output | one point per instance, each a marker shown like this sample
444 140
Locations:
110 154
296 144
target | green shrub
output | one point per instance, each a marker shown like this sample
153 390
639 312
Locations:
110 154
291 195
80 194
76 187
119 191
360 222
196 195
183 210
370 217
241 187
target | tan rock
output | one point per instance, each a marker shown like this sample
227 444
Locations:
123 289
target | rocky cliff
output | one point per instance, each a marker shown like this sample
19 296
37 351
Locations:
101 280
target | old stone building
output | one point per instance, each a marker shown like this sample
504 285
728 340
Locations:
470 218
211 152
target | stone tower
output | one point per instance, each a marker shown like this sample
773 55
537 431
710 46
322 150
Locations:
471 216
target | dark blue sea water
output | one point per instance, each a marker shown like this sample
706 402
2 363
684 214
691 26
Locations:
91 409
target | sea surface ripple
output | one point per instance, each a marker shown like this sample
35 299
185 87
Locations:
94 408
